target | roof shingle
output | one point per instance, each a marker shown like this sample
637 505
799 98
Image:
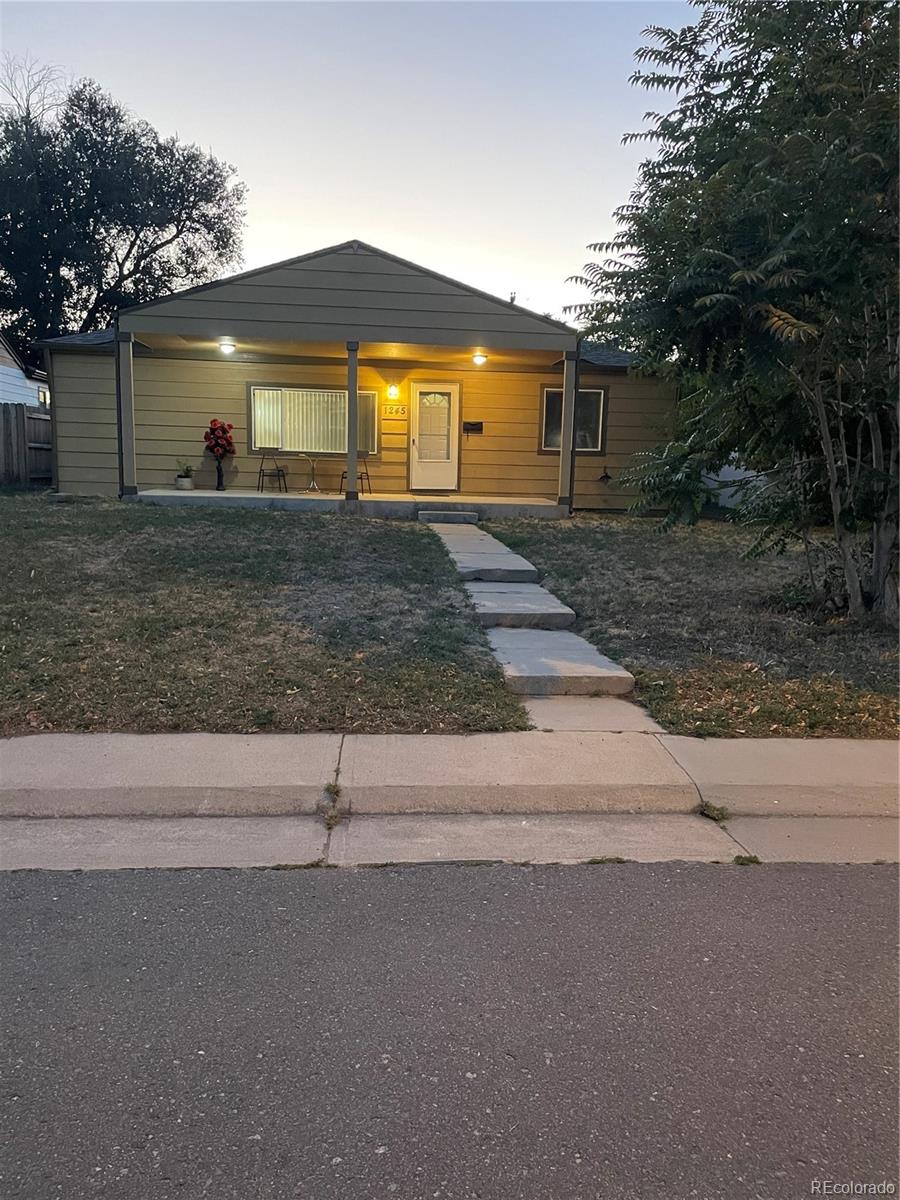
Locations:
98 337
604 354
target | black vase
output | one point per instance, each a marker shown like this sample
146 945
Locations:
220 476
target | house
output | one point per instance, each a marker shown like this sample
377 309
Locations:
19 384
364 376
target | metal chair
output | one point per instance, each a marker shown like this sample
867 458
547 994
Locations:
276 472
362 475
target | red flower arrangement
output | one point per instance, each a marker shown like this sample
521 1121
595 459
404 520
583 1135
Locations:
219 443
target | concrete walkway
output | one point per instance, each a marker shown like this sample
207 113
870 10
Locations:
567 771
527 624
589 714
518 605
86 844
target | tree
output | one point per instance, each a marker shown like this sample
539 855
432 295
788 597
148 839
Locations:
755 265
97 211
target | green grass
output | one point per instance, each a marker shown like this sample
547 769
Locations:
127 617
717 643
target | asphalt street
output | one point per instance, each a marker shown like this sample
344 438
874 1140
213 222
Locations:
612 1031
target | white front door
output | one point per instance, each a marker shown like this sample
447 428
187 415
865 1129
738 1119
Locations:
434 437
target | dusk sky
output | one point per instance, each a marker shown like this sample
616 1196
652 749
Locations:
481 140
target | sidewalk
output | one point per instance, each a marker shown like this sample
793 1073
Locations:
562 796
565 771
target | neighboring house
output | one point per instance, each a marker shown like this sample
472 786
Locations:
18 384
730 497
456 393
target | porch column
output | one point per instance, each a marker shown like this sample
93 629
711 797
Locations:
125 413
352 419
567 431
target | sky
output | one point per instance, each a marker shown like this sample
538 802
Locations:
482 140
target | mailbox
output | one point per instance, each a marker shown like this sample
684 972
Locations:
473 426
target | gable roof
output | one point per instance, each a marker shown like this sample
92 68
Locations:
352 291
29 372
353 245
8 349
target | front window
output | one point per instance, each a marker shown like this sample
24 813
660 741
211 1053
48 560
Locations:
588 419
310 420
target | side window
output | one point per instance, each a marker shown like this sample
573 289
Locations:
589 414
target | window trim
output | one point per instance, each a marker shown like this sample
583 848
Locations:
256 452
603 391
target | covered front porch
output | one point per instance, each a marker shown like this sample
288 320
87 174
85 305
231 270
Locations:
429 420
389 505
384 384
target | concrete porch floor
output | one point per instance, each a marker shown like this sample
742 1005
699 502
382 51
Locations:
381 504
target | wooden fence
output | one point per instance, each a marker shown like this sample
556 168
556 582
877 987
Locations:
26 445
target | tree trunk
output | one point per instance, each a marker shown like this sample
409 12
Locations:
837 490
887 604
855 601
818 592
884 527
884 578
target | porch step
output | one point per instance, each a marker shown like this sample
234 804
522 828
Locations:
450 516
518 605
539 662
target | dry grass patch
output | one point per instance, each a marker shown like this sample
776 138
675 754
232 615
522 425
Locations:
719 645
125 617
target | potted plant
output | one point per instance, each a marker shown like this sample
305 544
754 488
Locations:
184 480
220 444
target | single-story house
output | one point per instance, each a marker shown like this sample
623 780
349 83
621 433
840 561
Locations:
19 384
362 375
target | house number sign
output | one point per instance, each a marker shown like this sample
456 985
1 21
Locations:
393 410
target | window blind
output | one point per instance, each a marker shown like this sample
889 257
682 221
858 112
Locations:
267 418
310 420
314 420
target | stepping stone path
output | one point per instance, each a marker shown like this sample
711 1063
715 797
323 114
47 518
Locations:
538 662
479 556
527 624
519 605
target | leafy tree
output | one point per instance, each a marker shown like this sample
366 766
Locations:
755 265
98 211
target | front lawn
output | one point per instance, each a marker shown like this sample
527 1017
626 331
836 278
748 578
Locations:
126 617
719 645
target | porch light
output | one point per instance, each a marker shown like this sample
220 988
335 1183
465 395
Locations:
479 359
226 345
393 392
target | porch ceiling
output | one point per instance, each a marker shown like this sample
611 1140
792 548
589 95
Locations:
250 349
